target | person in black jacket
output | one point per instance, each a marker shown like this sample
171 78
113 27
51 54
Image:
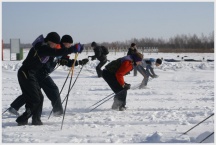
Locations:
38 55
132 50
100 56
46 83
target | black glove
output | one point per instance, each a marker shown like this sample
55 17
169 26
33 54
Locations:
126 86
92 57
83 61
63 61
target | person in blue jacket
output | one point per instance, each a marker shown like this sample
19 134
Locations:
147 69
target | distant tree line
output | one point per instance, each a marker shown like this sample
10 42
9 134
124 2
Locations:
182 42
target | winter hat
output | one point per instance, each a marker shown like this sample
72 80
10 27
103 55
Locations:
53 37
158 61
137 57
67 39
133 44
93 44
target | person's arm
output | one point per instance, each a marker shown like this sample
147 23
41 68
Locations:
150 70
48 51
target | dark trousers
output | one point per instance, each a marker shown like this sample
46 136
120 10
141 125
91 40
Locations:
99 66
51 90
32 94
115 86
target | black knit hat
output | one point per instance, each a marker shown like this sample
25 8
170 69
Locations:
53 37
158 61
67 39
93 44
133 44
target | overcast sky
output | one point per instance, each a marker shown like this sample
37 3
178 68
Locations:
105 21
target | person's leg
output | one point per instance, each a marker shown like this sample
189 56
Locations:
52 92
99 66
135 70
36 116
18 102
29 87
120 98
144 73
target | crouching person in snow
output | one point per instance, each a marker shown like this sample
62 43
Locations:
114 73
46 82
147 69
27 76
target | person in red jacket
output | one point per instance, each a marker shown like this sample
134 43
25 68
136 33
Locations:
114 73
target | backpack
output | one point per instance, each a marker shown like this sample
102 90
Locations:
113 66
105 50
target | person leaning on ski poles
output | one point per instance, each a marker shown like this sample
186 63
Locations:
38 55
46 83
147 69
114 73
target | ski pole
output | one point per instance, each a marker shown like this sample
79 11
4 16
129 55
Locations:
5 110
104 102
70 90
112 97
198 124
207 137
60 93
72 70
101 100
108 96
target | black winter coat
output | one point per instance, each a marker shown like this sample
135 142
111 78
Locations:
99 54
39 55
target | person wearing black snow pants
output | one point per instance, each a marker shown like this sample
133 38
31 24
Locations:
38 55
114 73
51 90
47 84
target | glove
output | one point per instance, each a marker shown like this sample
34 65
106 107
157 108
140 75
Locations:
83 61
79 48
64 61
126 86
93 58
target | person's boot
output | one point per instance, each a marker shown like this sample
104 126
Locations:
36 120
116 104
122 108
58 109
13 111
23 119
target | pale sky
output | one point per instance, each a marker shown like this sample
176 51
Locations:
105 21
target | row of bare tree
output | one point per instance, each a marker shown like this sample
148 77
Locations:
177 42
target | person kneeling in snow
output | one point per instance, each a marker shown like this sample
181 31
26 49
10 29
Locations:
146 69
113 75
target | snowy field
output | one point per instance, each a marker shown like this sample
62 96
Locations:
181 97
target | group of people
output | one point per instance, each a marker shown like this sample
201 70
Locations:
51 51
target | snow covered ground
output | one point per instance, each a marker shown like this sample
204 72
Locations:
181 97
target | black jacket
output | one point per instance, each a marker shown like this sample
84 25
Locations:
39 55
99 54
131 50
